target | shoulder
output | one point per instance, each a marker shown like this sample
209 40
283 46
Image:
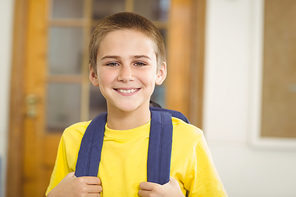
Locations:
75 132
70 144
186 131
79 126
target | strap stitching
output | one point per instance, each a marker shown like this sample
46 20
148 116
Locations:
89 156
161 145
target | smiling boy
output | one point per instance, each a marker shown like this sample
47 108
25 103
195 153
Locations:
127 60
126 74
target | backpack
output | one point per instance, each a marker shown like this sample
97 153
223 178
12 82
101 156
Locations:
159 148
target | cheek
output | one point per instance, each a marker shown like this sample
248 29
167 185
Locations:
150 79
104 76
104 82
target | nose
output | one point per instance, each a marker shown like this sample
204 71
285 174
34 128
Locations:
126 74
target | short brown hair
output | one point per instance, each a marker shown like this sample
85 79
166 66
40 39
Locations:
125 20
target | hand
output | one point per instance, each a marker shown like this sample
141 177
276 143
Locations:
71 186
170 189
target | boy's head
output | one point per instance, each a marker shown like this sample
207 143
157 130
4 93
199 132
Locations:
125 20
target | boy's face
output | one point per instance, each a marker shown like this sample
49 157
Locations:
127 70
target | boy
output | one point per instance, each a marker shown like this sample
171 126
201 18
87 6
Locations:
127 59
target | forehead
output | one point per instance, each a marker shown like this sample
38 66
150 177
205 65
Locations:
135 34
126 41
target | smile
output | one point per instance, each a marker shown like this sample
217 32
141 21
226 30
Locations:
128 91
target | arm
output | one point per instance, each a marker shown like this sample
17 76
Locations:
63 182
191 165
204 179
170 189
72 186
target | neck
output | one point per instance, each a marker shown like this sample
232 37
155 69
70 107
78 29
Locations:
123 120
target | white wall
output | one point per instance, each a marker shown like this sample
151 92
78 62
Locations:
233 40
245 170
6 23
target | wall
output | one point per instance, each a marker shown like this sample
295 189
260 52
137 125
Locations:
244 169
233 39
6 23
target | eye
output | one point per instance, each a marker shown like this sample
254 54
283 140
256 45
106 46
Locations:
113 64
140 64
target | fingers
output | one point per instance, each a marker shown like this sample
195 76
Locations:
91 180
81 186
170 189
150 186
94 189
144 193
147 186
149 189
93 184
94 195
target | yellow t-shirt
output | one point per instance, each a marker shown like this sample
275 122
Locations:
123 163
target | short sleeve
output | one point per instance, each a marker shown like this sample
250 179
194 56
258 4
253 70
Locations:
67 153
204 179
61 168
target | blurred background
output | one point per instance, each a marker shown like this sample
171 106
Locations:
231 71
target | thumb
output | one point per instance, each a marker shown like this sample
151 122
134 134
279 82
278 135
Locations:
71 175
175 187
173 181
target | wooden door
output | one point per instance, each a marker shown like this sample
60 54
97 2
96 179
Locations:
53 90
39 146
50 92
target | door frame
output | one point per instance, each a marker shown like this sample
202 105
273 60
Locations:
17 99
186 47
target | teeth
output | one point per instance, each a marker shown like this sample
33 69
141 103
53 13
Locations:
127 91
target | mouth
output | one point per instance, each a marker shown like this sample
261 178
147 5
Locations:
127 91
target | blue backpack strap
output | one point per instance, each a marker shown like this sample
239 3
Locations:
160 146
89 155
174 113
159 150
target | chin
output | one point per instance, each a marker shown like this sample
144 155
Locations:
130 107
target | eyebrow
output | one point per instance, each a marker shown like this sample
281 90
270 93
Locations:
118 57
142 56
110 57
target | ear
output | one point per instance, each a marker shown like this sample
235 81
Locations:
161 74
93 77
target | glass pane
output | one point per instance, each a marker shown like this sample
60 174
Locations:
155 10
158 95
63 105
97 103
103 8
67 8
65 50
163 32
